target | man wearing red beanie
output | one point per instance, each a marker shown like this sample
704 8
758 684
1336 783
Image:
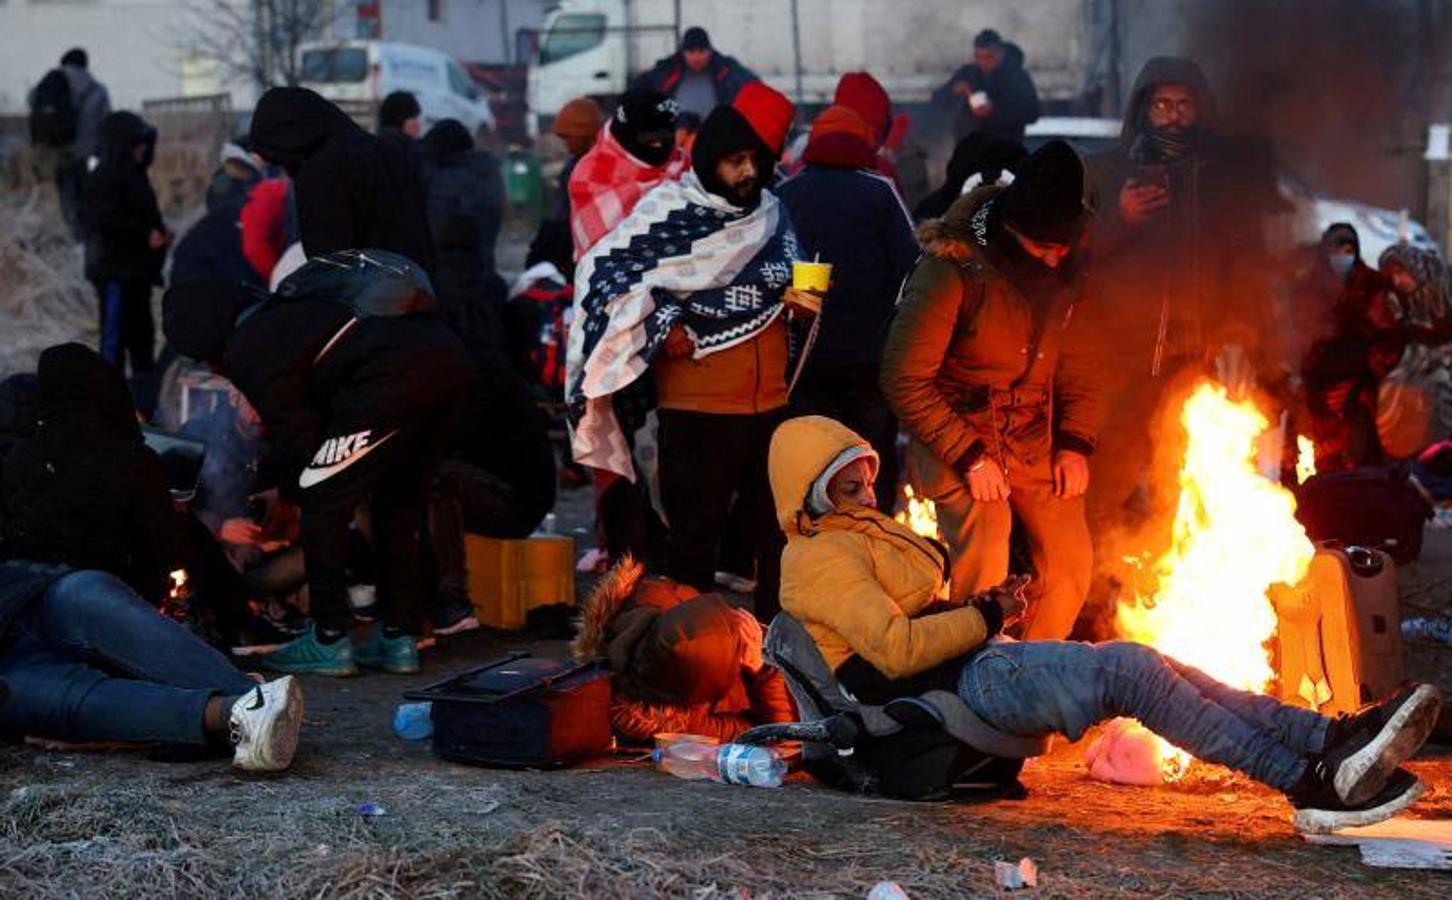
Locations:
692 288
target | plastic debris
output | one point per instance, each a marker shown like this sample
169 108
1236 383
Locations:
372 810
1428 628
1016 876
887 890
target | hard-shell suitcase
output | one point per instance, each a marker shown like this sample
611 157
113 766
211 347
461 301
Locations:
521 711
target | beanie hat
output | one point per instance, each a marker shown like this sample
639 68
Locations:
645 125
696 39
769 112
725 132
840 137
1046 200
75 57
862 93
987 38
398 107
580 118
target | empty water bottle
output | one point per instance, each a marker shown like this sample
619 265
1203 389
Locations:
727 763
413 721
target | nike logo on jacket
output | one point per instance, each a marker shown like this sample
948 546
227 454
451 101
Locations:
337 454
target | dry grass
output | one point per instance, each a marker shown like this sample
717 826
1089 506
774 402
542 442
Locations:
44 298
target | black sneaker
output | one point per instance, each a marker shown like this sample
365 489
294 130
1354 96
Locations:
1365 748
1319 810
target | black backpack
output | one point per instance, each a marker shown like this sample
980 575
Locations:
53 112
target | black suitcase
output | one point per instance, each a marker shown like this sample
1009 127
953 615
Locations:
521 711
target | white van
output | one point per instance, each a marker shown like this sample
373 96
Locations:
354 73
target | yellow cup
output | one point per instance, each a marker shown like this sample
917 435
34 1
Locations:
811 276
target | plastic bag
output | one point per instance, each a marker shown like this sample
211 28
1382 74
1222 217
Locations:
1414 402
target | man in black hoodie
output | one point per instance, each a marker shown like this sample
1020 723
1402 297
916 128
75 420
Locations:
353 190
993 94
359 384
1179 265
126 240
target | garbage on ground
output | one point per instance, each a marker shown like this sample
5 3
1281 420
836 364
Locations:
887 890
372 810
1428 628
1016 876
1126 753
413 721
1398 843
725 763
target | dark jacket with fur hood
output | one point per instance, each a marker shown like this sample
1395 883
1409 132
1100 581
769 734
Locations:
677 660
957 370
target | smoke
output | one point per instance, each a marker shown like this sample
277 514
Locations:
1344 88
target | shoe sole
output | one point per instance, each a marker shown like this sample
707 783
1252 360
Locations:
254 649
278 741
1325 821
1363 774
328 671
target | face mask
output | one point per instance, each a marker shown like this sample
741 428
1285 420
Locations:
1341 264
1163 145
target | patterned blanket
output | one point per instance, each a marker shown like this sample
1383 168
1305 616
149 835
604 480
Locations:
606 185
684 255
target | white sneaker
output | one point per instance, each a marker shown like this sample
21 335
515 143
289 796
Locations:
264 725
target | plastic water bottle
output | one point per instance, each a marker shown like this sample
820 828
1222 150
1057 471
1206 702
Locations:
414 721
1428 628
726 763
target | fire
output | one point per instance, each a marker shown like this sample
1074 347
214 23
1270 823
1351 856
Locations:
178 583
919 514
1305 458
1234 536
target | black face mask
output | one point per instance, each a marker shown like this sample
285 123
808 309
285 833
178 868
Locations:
1161 146
653 148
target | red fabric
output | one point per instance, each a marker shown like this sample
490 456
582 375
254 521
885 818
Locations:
264 225
860 92
840 137
606 185
769 112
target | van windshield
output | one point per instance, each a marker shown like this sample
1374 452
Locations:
572 34
332 65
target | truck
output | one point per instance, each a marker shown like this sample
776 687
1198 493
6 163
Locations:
595 48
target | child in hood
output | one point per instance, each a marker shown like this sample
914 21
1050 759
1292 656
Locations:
866 589
684 662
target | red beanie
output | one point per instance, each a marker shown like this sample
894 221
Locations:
839 137
769 112
861 92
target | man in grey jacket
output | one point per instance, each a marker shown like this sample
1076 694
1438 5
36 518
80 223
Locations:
66 112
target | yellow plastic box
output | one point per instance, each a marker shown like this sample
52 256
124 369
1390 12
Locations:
507 579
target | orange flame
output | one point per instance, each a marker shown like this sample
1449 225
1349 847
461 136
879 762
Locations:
1305 458
1235 534
919 514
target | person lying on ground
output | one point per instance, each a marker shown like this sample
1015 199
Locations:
87 660
866 589
684 662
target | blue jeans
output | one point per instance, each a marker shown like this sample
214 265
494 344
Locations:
1042 687
89 660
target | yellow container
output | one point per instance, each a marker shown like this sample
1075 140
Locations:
507 579
811 276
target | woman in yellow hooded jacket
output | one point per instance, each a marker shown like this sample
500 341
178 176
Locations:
867 590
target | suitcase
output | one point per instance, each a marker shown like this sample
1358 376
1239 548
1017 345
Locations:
1338 636
521 711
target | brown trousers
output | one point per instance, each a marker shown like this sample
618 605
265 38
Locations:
978 538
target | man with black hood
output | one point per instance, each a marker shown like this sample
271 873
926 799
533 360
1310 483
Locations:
359 384
353 190
1179 264
464 194
692 289
977 159
698 76
987 366
126 240
992 95
400 125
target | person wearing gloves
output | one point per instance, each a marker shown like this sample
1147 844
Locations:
684 662
988 367
866 590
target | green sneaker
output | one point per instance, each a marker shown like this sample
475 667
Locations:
397 655
306 655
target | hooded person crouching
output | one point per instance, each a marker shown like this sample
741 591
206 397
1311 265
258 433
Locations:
684 662
989 370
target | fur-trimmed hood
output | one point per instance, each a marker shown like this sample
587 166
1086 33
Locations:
601 606
961 235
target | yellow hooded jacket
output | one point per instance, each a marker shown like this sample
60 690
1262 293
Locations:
857 580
